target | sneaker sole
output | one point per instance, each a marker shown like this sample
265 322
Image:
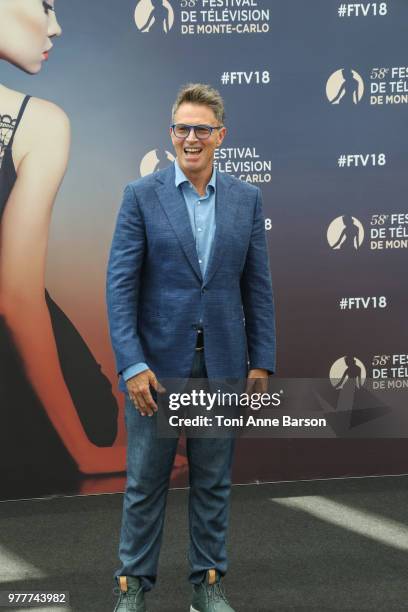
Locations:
193 609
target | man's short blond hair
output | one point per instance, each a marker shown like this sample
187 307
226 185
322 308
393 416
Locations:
199 93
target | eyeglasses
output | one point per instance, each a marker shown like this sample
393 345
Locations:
202 132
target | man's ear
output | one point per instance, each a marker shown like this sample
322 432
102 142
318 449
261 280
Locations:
221 135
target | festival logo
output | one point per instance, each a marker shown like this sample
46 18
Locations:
155 160
345 86
345 233
347 368
154 16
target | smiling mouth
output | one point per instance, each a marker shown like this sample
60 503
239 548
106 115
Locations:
192 151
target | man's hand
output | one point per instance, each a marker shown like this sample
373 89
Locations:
257 381
139 391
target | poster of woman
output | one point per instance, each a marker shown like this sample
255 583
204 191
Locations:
59 415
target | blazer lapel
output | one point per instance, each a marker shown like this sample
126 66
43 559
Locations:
174 206
224 217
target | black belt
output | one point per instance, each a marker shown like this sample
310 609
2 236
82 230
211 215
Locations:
200 340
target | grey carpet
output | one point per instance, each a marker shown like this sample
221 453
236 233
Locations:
301 546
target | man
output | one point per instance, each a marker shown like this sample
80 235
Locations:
188 261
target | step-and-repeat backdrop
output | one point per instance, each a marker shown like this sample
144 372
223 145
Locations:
316 97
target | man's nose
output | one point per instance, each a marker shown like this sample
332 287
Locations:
191 136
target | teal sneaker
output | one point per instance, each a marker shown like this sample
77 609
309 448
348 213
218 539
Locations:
209 596
131 598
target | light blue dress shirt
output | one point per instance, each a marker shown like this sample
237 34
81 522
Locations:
201 211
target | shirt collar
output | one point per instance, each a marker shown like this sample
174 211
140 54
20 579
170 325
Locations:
181 178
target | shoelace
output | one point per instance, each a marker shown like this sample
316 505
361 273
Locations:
125 596
216 592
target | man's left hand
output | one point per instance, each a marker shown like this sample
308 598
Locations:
257 381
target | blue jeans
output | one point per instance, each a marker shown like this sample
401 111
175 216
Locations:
149 463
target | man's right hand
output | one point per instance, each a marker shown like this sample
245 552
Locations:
139 391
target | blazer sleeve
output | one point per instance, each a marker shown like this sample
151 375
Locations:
123 282
257 297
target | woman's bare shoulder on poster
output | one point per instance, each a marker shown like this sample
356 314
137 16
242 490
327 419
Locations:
44 131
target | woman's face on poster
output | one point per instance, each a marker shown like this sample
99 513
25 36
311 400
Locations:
26 30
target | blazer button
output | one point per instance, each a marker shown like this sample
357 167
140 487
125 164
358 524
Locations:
203 290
